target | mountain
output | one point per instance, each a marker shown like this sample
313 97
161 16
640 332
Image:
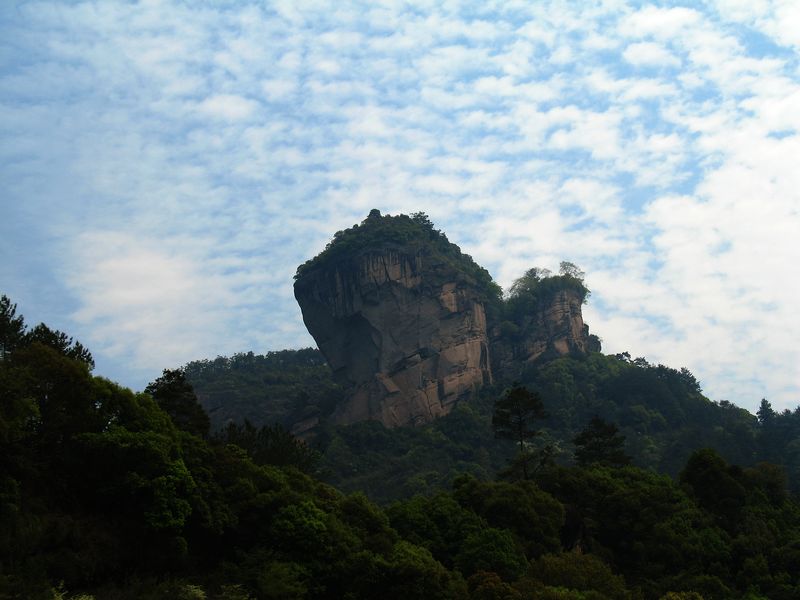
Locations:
411 326
400 315
411 331
105 493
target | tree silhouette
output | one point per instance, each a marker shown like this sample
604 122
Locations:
175 395
513 418
600 443
12 327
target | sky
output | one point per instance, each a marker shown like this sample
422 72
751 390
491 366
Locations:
166 166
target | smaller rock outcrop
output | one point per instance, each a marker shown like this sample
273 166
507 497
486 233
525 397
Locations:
543 319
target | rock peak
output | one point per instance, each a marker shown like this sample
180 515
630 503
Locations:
399 313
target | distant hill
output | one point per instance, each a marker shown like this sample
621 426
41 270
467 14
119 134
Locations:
414 332
280 387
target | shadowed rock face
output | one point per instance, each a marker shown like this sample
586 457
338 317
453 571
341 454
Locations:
403 332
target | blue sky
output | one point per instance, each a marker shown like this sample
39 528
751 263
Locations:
165 166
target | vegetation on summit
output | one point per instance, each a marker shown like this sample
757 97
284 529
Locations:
410 234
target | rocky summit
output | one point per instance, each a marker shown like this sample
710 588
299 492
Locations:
410 325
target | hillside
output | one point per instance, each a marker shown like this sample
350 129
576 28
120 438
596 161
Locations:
105 493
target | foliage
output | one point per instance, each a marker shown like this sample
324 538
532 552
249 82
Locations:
485 585
580 572
438 523
600 444
514 414
513 418
389 464
175 395
493 550
99 484
277 388
660 411
271 445
12 327
535 289
413 234
521 507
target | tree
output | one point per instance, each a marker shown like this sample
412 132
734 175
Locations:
513 418
61 342
600 443
715 485
493 550
568 269
532 515
175 395
485 585
420 218
766 414
528 282
576 571
272 445
12 327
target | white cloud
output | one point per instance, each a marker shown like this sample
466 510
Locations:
227 107
779 19
649 54
595 132
279 89
661 23
138 296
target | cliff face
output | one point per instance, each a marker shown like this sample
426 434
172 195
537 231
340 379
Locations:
555 328
404 333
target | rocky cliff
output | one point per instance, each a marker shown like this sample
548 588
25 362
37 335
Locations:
400 314
552 327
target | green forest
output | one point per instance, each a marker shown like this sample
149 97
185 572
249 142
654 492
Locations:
594 477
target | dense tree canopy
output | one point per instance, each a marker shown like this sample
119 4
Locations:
412 234
176 397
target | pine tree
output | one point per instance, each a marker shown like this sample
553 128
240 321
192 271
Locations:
513 418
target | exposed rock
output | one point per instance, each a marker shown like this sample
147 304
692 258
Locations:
400 315
402 328
406 352
554 328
